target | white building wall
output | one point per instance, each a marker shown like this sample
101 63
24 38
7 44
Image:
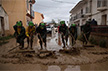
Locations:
97 15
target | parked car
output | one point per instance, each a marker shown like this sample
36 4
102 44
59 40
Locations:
49 29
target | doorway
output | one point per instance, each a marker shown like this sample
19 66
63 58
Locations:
104 19
2 26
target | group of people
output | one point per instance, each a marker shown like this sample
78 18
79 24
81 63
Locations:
65 32
72 31
21 33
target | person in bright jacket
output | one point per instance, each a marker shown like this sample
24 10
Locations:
42 34
73 33
30 31
19 33
64 31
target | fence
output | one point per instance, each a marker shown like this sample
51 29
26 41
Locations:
100 30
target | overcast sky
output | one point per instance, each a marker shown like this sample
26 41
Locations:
54 9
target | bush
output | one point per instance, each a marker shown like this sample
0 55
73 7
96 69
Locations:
102 43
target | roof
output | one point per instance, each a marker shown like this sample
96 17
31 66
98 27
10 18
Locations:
77 6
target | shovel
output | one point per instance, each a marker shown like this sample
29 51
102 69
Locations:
87 42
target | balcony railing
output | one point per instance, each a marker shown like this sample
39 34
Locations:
77 16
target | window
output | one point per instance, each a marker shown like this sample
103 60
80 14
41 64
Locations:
101 3
81 11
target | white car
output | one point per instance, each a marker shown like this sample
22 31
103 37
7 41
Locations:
49 29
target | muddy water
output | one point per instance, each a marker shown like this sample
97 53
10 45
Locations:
39 67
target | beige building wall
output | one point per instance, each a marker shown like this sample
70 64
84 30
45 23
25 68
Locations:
38 18
16 11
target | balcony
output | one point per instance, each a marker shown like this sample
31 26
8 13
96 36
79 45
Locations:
30 14
102 5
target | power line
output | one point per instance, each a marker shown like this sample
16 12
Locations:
62 2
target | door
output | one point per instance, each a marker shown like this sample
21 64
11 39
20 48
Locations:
2 26
104 19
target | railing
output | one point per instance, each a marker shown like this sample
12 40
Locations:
77 16
102 3
101 30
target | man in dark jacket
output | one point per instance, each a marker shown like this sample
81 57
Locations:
73 32
93 22
86 30
19 33
63 29
42 34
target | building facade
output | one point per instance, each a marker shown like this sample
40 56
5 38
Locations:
38 18
17 10
90 9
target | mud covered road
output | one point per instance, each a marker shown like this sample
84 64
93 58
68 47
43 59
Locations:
29 60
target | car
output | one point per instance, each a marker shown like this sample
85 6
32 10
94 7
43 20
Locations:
49 29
